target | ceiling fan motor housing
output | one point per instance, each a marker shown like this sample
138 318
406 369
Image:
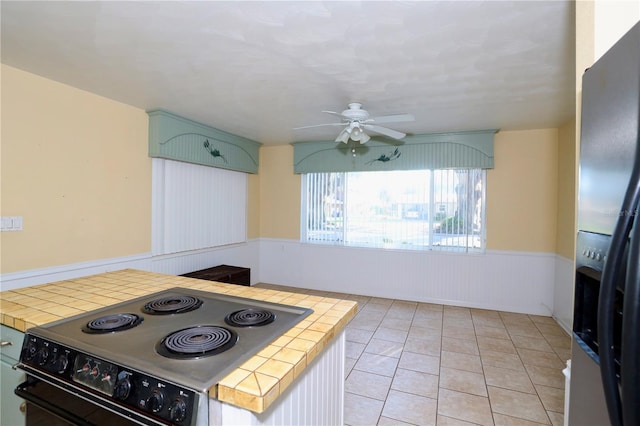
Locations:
355 112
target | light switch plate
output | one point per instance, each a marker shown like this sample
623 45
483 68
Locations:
11 223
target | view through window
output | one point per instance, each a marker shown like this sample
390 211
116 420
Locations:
417 210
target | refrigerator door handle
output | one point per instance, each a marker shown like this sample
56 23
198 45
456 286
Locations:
611 274
630 354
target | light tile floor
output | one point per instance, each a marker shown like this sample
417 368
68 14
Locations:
426 364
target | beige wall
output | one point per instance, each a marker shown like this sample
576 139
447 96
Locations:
75 167
567 194
521 192
279 193
253 206
611 20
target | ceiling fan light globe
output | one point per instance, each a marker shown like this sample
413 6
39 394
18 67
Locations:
343 137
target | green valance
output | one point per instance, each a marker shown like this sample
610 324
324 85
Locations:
177 138
461 150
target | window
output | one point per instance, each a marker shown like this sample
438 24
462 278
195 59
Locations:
416 210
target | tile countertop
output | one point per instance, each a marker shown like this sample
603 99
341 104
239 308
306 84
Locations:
255 385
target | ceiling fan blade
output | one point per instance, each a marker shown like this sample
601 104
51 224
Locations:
384 131
319 125
337 114
396 118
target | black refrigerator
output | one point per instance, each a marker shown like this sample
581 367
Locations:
605 355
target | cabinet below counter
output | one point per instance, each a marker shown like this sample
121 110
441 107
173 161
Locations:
12 408
265 380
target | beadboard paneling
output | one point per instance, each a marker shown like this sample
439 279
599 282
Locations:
508 281
245 254
535 283
314 398
563 292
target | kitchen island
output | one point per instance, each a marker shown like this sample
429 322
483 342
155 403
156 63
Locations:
298 378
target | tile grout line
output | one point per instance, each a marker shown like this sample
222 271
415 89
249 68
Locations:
502 317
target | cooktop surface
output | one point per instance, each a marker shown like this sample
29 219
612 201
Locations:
190 337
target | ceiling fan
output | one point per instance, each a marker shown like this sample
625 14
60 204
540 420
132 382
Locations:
356 120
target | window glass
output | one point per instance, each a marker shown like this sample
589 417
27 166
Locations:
417 210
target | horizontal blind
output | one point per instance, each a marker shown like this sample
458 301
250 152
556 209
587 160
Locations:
199 207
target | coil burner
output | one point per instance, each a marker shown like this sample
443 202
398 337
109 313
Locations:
112 323
250 318
197 342
172 305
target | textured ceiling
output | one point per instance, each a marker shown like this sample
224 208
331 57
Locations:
259 69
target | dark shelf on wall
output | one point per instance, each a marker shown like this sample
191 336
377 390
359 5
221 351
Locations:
223 274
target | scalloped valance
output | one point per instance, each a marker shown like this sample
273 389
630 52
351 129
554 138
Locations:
177 138
461 150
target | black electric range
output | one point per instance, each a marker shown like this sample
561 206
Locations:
153 359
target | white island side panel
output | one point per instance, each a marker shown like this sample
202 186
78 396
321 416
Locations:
316 397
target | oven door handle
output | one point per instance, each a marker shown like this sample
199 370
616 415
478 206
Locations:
23 392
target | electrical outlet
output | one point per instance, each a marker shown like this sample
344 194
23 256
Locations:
11 223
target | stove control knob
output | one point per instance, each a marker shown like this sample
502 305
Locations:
122 389
42 356
60 364
30 351
177 410
155 401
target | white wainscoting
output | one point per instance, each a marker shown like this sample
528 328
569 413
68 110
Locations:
534 283
503 280
563 292
13 280
244 254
